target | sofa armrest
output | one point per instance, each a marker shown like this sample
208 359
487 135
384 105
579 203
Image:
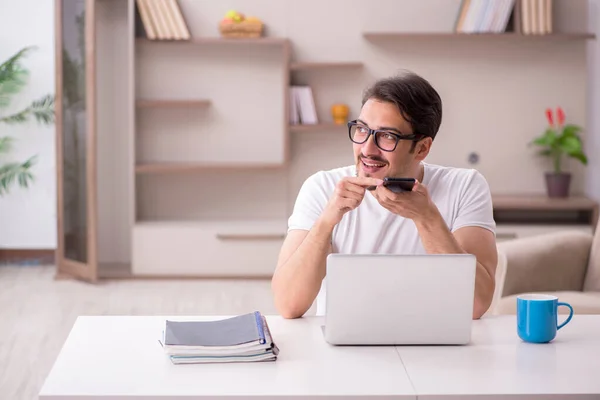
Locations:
551 262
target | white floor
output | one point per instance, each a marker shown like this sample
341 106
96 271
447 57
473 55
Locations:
37 312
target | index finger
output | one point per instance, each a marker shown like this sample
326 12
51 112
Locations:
364 181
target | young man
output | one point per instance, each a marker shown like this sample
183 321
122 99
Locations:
347 210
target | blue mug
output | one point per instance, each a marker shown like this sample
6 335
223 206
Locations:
537 317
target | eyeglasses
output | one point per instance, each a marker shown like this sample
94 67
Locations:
385 140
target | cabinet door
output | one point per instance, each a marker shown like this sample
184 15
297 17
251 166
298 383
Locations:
76 139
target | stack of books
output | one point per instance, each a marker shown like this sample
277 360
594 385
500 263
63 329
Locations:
243 338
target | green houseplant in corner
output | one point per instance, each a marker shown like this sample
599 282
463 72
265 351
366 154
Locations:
13 77
557 142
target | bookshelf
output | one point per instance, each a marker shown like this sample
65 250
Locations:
319 66
266 41
510 36
146 103
192 165
318 127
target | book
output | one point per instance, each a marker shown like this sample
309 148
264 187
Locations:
302 106
243 338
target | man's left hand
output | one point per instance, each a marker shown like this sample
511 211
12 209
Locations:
416 204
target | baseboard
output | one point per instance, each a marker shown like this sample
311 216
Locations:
27 256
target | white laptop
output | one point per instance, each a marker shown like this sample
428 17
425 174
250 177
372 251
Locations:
399 299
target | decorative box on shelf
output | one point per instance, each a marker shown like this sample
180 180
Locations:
236 25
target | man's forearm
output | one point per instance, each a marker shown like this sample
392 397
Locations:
437 239
298 280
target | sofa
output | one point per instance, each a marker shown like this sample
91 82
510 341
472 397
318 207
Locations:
565 264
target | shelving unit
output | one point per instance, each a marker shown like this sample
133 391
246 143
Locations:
264 41
191 164
317 127
308 66
512 36
141 103
181 167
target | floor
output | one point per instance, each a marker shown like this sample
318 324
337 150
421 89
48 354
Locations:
37 313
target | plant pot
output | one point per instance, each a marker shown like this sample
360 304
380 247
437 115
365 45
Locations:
558 184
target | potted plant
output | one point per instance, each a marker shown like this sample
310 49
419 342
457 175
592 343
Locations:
559 141
12 79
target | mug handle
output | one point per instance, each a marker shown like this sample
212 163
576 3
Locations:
569 317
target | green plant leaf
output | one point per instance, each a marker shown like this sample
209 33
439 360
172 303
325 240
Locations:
12 173
580 156
570 145
42 110
12 76
571 131
547 139
5 144
545 153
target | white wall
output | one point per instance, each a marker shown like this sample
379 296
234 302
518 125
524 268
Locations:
593 134
28 217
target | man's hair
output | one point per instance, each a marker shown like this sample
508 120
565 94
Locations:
417 100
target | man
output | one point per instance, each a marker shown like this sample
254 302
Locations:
347 210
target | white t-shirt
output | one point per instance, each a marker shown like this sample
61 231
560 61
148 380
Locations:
462 196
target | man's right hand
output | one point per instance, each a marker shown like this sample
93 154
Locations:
349 193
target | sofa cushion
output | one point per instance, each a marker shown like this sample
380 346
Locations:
592 277
582 303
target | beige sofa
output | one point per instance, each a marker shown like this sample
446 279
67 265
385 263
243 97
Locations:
564 264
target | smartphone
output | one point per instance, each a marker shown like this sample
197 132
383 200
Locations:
399 185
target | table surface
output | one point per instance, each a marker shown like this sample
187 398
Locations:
121 357
112 357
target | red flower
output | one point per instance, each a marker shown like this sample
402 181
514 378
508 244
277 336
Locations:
549 116
561 116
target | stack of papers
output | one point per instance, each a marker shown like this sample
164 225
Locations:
244 338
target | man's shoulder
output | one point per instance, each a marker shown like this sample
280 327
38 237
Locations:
440 174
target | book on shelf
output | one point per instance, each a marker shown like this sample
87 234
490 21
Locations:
162 20
243 338
484 16
536 17
302 106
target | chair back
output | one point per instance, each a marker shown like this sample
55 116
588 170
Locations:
500 278
592 275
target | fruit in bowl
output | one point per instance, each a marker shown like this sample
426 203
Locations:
236 24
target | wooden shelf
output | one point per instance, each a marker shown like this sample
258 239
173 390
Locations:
477 36
317 127
183 167
264 41
172 103
304 66
542 202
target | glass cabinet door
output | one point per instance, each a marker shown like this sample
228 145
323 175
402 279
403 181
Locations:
75 138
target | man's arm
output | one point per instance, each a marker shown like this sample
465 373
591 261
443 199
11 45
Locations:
301 269
302 260
437 239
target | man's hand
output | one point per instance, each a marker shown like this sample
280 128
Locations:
349 193
416 205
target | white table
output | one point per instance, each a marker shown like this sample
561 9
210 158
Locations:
498 363
120 358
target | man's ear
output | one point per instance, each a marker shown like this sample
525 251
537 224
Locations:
423 147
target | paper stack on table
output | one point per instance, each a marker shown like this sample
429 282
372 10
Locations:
243 338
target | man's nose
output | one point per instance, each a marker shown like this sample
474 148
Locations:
369 147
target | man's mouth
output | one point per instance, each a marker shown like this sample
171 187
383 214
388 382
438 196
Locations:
371 166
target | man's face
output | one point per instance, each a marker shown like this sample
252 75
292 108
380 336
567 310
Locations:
371 161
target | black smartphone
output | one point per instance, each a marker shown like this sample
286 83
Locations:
399 185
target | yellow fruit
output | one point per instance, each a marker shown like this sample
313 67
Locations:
231 14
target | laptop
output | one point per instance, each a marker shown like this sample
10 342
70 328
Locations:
399 299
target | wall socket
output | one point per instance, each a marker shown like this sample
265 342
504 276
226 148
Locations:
473 158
